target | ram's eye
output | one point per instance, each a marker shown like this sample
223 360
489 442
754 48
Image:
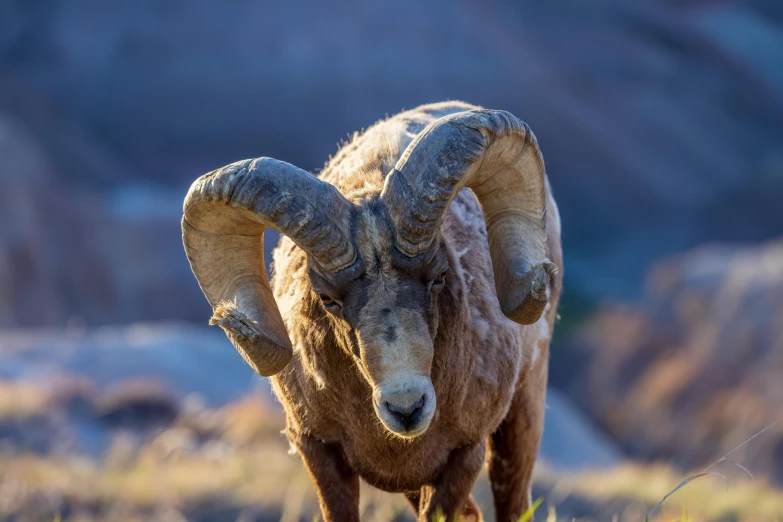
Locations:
439 280
327 301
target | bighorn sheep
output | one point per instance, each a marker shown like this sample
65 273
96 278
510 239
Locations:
406 331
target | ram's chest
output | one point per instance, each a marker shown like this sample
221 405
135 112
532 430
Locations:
473 393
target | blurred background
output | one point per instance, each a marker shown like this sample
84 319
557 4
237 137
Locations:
661 122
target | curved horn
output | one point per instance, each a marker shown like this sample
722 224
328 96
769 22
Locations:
225 214
497 156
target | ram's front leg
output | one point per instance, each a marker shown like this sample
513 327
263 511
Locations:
514 445
450 494
336 483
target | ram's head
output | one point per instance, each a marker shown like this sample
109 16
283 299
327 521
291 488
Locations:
377 267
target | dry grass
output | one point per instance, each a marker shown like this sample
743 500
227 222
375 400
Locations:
232 463
263 482
643 486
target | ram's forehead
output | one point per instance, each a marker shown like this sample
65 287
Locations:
385 288
374 239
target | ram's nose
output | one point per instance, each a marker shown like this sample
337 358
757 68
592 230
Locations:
406 408
407 413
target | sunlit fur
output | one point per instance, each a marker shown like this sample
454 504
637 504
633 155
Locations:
483 368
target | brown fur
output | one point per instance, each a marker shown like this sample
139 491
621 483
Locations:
488 373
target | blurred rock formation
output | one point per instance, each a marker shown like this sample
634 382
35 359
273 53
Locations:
695 369
76 255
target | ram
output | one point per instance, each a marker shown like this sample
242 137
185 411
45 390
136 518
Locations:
407 326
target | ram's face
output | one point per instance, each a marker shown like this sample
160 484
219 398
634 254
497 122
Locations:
392 313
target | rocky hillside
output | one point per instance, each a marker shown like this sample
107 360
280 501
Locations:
660 121
71 254
696 368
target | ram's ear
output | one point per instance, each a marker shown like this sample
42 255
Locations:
225 215
497 156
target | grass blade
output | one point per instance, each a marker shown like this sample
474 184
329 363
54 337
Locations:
528 515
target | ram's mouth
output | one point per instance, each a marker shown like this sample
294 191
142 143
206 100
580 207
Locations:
405 432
